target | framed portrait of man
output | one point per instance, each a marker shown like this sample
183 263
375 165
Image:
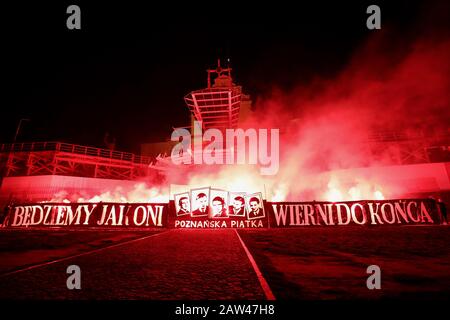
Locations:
236 204
218 203
255 206
200 202
182 204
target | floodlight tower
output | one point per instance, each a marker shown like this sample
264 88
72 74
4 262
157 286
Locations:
217 106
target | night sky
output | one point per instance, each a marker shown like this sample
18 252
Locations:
127 70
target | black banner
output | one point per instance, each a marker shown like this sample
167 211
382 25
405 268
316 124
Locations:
272 214
370 212
141 215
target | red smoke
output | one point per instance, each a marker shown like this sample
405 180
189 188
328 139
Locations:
388 85
326 125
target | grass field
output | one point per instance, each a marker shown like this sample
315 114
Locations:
22 248
331 263
319 263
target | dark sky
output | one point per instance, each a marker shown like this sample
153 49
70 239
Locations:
129 67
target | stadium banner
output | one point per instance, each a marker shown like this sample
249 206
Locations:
369 212
211 222
113 215
210 208
223 210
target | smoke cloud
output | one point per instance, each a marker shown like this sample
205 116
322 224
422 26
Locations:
327 125
392 85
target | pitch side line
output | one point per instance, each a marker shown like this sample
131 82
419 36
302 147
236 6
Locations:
262 281
79 255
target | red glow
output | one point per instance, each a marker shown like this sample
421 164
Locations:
325 128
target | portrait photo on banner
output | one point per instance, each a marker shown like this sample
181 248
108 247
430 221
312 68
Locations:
236 204
182 204
200 202
218 203
255 206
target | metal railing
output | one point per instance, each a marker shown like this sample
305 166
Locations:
75 149
380 136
